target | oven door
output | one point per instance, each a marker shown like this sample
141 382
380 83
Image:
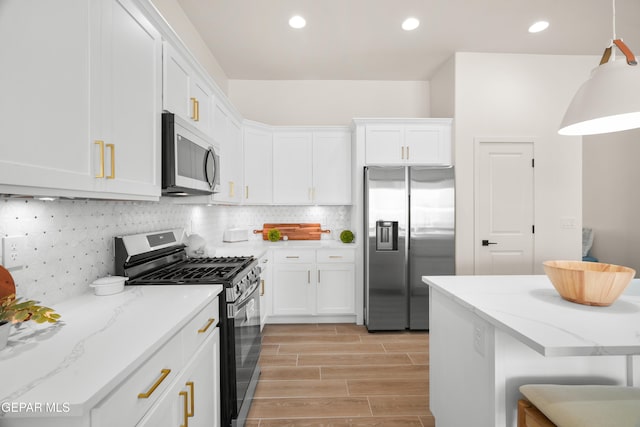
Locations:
248 340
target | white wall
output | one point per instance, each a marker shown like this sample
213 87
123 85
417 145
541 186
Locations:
327 102
521 96
611 199
177 19
442 89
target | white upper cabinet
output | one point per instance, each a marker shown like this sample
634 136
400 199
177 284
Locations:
228 134
258 167
292 168
184 93
126 101
332 167
81 103
425 143
312 167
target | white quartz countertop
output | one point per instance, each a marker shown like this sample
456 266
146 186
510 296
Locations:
530 309
257 248
101 341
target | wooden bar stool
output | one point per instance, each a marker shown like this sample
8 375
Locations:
548 405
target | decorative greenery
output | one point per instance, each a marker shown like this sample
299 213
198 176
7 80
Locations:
14 311
274 235
347 236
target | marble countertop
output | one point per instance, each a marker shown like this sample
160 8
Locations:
530 309
257 248
101 341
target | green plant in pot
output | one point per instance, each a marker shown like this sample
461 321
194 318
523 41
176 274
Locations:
12 310
274 235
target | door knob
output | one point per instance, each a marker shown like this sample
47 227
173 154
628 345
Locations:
487 243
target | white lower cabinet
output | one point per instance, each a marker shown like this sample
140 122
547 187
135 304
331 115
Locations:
193 399
313 284
178 385
265 288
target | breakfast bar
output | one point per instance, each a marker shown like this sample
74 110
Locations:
491 334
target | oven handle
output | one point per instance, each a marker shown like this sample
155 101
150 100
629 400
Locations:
235 307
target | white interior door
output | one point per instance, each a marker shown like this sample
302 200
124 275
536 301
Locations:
504 208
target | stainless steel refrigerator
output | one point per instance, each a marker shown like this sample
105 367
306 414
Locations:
410 224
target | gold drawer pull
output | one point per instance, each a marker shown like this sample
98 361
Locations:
205 327
246 192
101 144
335 256
186 408
261 287
163 375
292 257
192 400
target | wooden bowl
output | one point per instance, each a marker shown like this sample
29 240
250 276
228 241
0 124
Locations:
588 283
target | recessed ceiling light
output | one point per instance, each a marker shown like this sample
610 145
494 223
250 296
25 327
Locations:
538 26
297 22
410 24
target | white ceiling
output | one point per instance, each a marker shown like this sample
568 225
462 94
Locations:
362 39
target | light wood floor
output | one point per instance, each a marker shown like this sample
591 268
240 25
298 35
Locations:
339 375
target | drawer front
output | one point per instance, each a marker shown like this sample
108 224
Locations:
294 257
199 328
336 255
133 398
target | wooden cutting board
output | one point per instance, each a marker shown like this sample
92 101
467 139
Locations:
295 231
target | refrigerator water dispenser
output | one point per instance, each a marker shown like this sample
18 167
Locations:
386 235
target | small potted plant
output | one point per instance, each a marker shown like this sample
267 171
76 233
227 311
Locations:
274 235
12 310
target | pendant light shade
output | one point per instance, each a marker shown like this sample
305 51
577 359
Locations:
608 102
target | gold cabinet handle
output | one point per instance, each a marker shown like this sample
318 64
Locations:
318 276
186 408
205 327
308 276
402 152
101 145
197 110
407 152
292 256
113 161
335 256
193 108
192 400
163 375
231 189
246 192
261 287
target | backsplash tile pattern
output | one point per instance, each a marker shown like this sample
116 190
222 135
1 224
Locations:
70 242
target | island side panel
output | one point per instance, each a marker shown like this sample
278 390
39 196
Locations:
461 366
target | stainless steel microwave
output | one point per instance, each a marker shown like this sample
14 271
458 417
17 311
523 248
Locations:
190 163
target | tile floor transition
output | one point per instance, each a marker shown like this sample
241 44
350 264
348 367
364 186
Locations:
340 375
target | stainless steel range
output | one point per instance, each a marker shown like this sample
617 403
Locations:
160 258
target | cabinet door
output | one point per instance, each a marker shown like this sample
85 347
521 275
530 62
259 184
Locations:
176 83
258 167
44 101
292 168
332 168
228 135
128 101
293 289
384 145
194 397
335 289
427 145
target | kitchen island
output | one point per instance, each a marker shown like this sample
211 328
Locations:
491 334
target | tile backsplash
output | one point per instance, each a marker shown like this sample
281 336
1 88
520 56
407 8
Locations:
69 243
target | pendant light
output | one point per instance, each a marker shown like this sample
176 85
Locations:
610 100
